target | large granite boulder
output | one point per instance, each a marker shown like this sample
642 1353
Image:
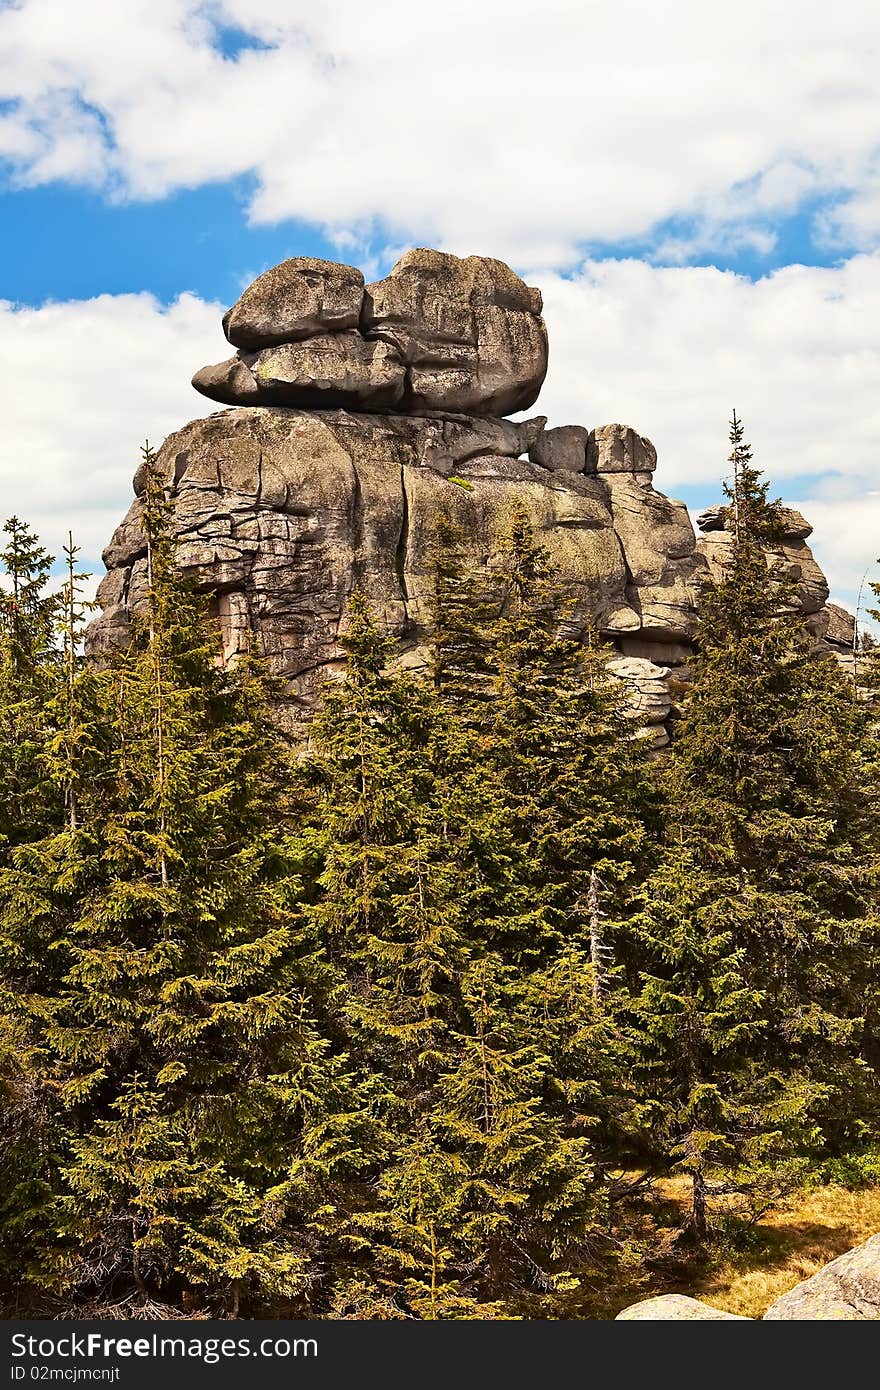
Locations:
675 1307
299 298
469 331
440 333
846 1290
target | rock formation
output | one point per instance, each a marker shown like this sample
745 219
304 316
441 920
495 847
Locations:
438 334
365 412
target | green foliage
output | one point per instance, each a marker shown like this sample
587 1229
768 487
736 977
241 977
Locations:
754 940
401 1021
161 985
30 673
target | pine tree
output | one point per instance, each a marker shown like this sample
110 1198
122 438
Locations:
574 774
752 930
473 983
29 677
196 1111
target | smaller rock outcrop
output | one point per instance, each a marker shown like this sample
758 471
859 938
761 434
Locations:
648 700
563 449
841 631
619 449
675 1307
789 558
439 333
847 1289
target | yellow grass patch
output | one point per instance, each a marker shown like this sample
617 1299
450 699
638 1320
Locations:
798 1238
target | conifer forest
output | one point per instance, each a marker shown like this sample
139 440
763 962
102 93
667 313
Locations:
423 1013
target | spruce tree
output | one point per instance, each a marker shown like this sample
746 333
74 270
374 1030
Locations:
196 1112
752 930
30 672
474 999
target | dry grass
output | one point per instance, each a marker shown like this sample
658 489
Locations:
792 1242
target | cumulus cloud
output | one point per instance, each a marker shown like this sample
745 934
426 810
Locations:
668 350
493 127
86 382
672 349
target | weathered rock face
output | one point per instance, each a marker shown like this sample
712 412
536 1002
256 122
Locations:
847 1289
790 560
367 413
440 333
280 513
299 298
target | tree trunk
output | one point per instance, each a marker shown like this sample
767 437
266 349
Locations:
698 1207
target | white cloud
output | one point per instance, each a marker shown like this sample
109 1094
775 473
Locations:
672 349
668 350
85 383
490 127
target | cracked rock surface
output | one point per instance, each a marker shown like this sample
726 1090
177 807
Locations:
439 333
364 413
280 513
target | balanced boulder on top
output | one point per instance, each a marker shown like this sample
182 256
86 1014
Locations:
299 298
439 333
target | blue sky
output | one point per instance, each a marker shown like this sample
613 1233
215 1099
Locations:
202 240
702 217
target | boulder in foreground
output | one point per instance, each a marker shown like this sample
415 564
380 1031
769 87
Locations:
675 1307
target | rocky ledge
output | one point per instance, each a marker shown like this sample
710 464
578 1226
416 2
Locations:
364 413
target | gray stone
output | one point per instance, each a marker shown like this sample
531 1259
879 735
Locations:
469 331
325 372
713 518
299 298
675 1307
278 513
333 369
841 628
792 524
230 382
619 449
790 561
647 699
846 1290
664 572
439 334
562 449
